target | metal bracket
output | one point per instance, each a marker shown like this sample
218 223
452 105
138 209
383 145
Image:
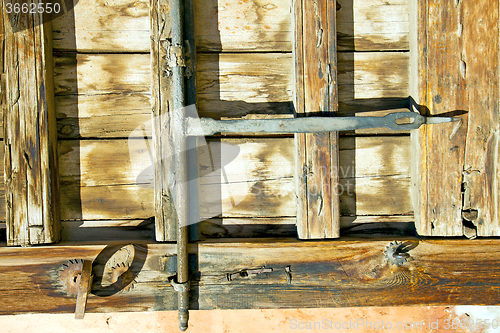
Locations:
397 253
176 56
84 289
179 287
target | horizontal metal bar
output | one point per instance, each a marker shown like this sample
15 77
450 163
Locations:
208 126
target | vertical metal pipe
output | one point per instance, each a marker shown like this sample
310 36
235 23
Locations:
180 153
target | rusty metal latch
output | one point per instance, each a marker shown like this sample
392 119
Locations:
393 121
245 273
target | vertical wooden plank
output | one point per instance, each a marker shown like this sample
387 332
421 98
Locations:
30 134
2 73
418 92
2 187
439 89
481 175
161 92
2 107
316 92
454 71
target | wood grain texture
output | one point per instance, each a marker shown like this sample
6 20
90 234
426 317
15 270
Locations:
162 101
316 92
233 85
99 179
104 26
243 26
90 74
3 84
100 231
454 72
359 226
229 26
3 202
102 95
438 155
372 75
3 103
103 116
31 178
228 85
481 175
372 25
324 274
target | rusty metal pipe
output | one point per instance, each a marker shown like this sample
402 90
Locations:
181 202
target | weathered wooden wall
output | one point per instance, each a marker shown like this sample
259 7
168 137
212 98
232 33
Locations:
227 86
97 185
123 26
101 98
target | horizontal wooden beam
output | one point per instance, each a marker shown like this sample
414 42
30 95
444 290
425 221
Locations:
323 274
